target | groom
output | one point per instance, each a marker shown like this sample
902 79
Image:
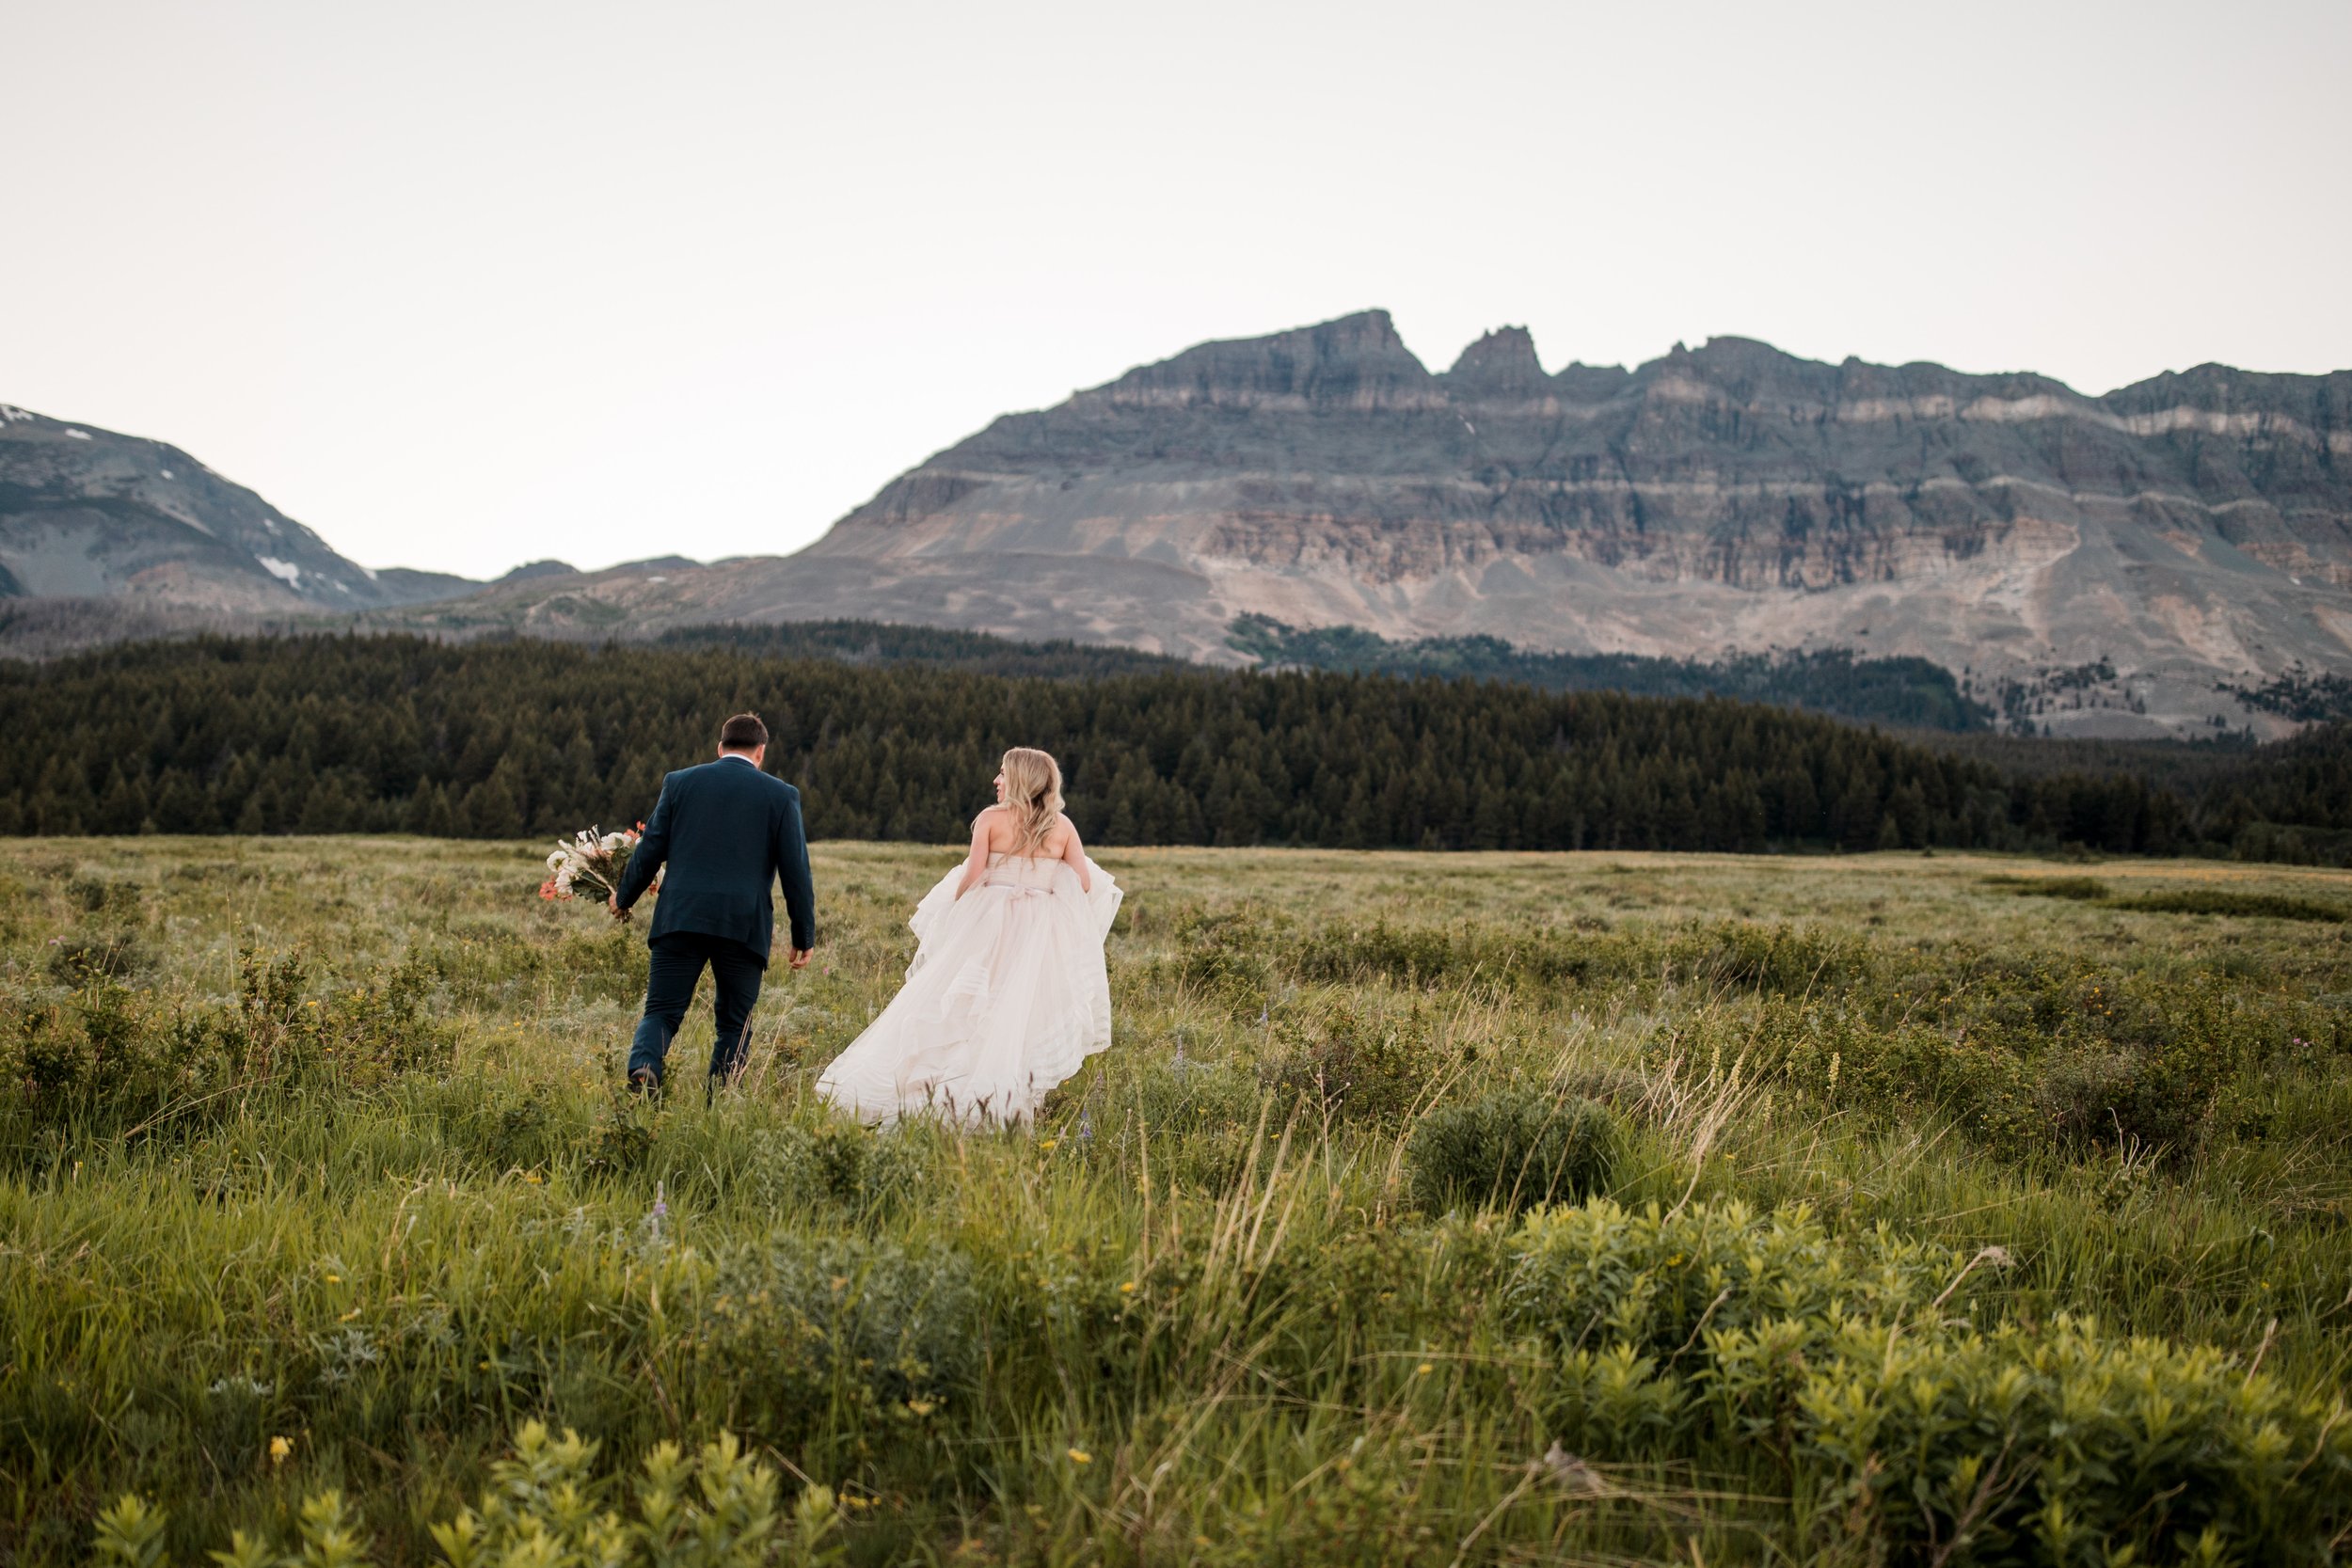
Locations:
726 830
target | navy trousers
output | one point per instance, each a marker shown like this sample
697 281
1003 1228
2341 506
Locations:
677 967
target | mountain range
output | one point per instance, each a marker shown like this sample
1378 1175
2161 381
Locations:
85 513
2130 555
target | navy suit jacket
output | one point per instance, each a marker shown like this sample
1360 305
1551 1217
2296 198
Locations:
726 830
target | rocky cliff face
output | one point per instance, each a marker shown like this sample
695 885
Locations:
87 512
2192 529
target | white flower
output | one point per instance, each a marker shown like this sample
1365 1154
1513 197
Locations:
555 860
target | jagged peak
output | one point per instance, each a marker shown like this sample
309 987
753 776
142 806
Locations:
1354 362
1501 363
1497 345
1374 328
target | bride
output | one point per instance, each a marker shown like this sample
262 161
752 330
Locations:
1006 994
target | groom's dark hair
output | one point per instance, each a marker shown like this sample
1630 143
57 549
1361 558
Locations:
743 733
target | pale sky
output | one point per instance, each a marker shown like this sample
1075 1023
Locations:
461 285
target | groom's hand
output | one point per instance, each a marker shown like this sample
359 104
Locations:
612 902
801 956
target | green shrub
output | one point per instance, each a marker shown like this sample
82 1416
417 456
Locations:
1653 1280
1403 955
108 899
2081 889
1909 1429
116 1061
1223 955
1635 1305
485 962
1776 960
2090 1096
833 1163
1331 1062
81 957
623 1140
2031 1056
2063 1444
1511 1149
1200 1120
361 1033
1831 1053
842 1335
521 1134
609 964
2214 900
1735 955
546 1508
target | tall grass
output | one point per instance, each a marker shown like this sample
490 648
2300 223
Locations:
1867 1178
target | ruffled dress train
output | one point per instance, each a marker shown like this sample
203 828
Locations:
1007 996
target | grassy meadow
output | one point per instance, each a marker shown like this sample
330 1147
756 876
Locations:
1478 1207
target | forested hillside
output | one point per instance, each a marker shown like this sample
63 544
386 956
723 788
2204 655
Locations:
2290 801
1913 693
886 643
327 734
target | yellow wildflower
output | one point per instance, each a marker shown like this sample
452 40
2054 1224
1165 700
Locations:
278 1449
1079 1456
1128 1288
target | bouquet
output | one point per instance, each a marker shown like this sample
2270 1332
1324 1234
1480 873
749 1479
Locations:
593 863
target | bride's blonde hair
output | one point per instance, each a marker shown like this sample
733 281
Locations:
1033 795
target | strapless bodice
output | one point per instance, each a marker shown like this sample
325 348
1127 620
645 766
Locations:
1032 873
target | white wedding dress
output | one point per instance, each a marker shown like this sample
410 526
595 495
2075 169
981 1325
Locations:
1006 997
